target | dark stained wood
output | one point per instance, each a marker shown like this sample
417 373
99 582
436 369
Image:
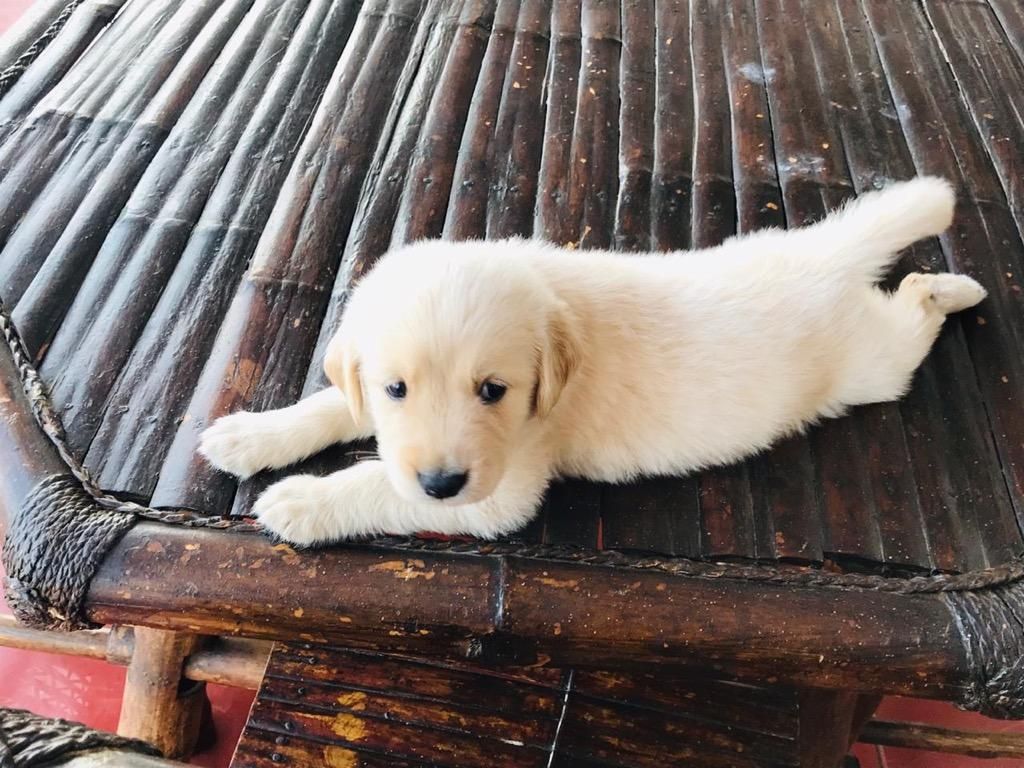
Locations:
518 126
152 390
990 76
52 290
735 134
226 661
984 242
223 583
144 245
335 706
949 741
830 722
467 205
376 209
288 282
636 132
170 262
838 496
420 213
673 128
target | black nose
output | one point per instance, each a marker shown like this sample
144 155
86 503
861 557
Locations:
441 484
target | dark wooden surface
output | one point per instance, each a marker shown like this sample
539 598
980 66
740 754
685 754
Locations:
528 611
184 205
336 707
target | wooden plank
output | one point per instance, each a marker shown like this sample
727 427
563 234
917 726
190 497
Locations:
519 126
287 287
493 610
153 388
727 703
990 78
371 705
424 199
984 242
144 245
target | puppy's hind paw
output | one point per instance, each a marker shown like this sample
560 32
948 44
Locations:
948 293
236 444
953 293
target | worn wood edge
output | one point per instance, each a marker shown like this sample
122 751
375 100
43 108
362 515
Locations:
950 741
232 661
512 610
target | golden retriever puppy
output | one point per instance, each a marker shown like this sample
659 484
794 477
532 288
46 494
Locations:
485 369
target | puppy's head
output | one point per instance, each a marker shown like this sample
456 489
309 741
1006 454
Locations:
452 355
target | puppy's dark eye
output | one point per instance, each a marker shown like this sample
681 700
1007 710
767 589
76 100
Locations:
396 390
491 392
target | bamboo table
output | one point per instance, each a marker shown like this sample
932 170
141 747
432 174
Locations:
189 188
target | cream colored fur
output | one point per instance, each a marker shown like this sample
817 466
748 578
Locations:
616 365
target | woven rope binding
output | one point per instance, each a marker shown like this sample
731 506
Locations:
28 740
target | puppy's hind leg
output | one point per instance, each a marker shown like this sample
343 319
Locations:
895 335
944 293
245 443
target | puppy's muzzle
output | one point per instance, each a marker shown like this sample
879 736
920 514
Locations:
441 484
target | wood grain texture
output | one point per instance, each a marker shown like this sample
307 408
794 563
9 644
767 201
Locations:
337 706
519 609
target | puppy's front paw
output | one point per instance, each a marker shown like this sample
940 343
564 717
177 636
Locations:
295 510
236 444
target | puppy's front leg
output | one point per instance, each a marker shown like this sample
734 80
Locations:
361 501
245 443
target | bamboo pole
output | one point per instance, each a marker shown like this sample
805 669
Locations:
156 706
374 219
41 308
950 741
152 390
231 661
60 55
143 247
295 261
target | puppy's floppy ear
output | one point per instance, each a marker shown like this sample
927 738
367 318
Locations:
341 364
559 357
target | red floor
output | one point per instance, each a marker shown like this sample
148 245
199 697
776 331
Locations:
90 691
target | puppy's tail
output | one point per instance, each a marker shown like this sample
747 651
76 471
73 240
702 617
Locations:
869 233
